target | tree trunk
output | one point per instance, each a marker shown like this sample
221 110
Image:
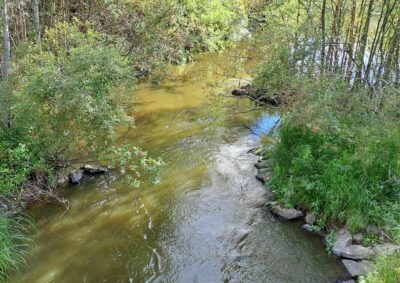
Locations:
4 115
6 43
363 43
323 34
36 12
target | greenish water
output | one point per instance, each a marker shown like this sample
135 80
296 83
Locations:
205 222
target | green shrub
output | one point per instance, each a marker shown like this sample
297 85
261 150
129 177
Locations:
340 160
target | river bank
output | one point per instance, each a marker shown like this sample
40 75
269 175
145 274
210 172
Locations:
355 256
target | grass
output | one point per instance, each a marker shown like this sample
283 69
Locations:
14 243
338 157
386 270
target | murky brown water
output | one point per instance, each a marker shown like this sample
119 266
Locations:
206 222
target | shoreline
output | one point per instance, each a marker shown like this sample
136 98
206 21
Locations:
355 258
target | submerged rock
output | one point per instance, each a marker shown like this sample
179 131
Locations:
356 268
93 170
75 177
342 240
286 213
357 252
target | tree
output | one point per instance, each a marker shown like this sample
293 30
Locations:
37 20
6 42
4 115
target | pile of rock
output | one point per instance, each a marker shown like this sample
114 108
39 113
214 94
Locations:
355 257
76 176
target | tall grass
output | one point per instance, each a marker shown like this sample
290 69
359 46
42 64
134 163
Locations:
386 270
339 157
14 244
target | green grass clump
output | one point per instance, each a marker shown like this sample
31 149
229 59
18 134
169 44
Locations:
14 243
339 158
386 270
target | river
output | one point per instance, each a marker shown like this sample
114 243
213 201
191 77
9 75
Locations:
206 221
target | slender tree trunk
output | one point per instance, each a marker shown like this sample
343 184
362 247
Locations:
6 42
36 12
391 54
4 109
323 35
363 43
351 41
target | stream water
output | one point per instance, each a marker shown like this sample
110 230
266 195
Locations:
206 221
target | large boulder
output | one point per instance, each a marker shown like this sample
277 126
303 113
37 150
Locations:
357 252
342 240
356 268
93 170
286 213
75 177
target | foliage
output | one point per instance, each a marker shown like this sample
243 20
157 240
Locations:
211 24
357 41
329 241
64 90
339 158
132 162
14 243
385 270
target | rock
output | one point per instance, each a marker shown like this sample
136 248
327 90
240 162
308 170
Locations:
358 238
239 92
93 170
261 177
263 171
356 268
261 151
286 213
263 164
346 281
385 249
357 252
313 230
62 181
373 230
342 239
310 219
75 177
